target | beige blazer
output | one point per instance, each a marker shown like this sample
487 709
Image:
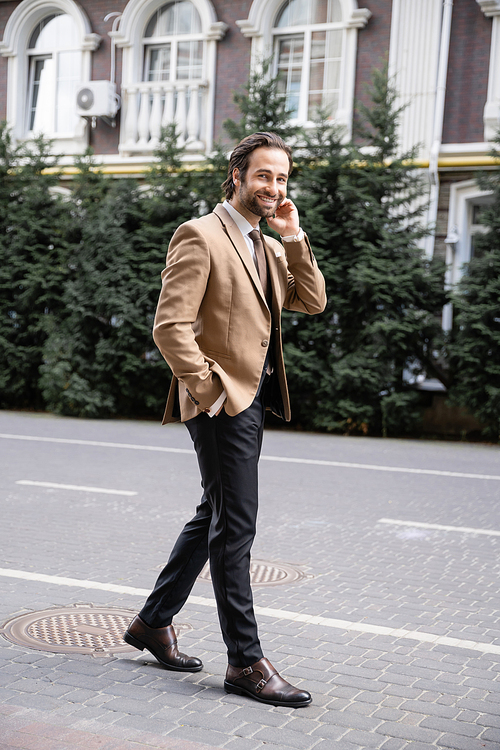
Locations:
212 323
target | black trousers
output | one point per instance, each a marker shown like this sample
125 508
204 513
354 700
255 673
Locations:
223 530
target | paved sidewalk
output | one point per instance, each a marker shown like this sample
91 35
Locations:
393 622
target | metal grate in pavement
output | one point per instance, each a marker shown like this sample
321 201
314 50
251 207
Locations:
77 629
264 573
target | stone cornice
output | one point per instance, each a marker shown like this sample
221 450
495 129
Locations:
359 18
490 8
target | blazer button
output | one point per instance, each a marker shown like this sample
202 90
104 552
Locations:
265 342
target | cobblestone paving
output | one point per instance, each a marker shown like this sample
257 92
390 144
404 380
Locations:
370 690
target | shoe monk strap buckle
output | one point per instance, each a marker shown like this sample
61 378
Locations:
260 685
246 671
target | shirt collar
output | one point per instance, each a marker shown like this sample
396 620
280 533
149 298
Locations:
243 225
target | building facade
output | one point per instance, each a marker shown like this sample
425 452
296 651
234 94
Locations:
111 74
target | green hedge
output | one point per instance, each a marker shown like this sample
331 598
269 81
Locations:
80 277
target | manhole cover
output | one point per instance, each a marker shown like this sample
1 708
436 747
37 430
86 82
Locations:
78 629
264 573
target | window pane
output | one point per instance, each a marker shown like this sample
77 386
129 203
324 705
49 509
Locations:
475 251
42 95
38 30
332 78
68 77
290 56
185 16
334 11
189 60
319 11
55 32
316 76
294 13
291 51
180 17
324 71
477 211
303 12
158 63
326 100
318 44
37 65
334 41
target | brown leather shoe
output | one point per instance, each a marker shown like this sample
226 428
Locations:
162 643
262 682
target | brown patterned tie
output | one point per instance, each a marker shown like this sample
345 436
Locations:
260 258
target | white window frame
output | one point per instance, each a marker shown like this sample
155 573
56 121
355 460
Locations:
463 197
260 27
307 32
130 37
14 46
173 41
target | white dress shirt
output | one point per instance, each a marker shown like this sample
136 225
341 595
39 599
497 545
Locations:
243 225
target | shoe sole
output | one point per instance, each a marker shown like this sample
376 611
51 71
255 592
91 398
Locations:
128 638
229 688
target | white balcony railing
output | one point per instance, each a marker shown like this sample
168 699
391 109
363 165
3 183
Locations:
149 106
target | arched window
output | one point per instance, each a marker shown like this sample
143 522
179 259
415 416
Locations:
309 44
169 57
54 70
49 46
173 43
313 44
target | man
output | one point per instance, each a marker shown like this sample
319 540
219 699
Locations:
218 326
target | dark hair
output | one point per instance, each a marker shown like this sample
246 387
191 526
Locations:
241 155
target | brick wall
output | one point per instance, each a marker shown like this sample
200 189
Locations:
467 74
233 62
373 45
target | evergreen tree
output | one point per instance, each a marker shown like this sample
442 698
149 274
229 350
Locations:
475 344
263 107
363 212
100 358
33 265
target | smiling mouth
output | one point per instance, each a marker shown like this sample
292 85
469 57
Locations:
267 199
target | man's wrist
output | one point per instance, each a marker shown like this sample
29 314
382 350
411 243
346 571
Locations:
298 237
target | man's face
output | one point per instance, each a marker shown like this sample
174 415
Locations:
264 186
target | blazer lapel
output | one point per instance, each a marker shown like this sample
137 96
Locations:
239 245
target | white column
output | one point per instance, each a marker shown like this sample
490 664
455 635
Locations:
413 66
168 109
193 118
131 117
180 113
155 120
143 122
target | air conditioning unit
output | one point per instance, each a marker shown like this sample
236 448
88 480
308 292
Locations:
96 99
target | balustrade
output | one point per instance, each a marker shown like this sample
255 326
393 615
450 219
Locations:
150 106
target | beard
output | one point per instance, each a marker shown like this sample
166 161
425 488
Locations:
252 204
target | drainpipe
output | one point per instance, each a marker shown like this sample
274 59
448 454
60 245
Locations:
437 131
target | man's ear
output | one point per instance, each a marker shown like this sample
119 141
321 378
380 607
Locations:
236 176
